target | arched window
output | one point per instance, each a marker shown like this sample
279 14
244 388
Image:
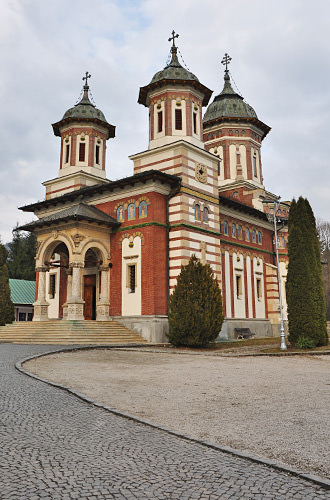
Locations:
205 214
120 213
225 228
247 234
240 232
143 209
233 230
259 237
197 212
131 211
235 195
254 236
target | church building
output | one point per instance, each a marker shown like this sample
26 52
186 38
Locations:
113 249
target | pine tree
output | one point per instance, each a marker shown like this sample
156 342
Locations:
305 297
21 264
7 312
195 308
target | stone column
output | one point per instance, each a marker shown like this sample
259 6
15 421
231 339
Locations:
68 293
102 307
41 305
75 302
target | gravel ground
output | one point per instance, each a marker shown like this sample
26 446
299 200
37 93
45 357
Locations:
274 407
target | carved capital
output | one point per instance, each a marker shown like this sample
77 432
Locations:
76 264
42 269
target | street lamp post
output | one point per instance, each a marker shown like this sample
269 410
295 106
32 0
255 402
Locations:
270 217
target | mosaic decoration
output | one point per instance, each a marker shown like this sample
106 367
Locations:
197 212
131 236
143 209
205 214
120 213
131 211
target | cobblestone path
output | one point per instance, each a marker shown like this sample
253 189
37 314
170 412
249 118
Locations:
55 446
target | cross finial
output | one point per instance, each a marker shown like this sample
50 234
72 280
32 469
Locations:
173 37
226 60
87 75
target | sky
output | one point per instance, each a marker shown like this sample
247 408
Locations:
280 53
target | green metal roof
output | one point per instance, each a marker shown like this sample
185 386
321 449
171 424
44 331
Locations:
22 291
85 110
78 212
229 104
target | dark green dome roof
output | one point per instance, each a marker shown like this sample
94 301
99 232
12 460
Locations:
228 104
174 74
174 71
85 110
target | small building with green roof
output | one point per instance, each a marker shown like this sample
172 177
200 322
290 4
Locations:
22 294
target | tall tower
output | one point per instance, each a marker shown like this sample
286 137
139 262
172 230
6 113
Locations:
84 131
175 98
233 132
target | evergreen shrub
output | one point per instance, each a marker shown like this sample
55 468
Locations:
7 311
195 307
304 287
305 343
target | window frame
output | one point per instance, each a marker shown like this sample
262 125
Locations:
178 119
82 152
131 275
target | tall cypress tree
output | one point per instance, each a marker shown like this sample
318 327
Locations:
7 312
305 297
321 335
195 309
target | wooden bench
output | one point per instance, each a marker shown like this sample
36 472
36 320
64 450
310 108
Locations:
243 333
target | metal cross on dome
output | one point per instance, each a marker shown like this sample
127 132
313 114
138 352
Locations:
87 75
226 60
173 37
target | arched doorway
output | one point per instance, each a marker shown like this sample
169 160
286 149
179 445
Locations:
57 262
93 260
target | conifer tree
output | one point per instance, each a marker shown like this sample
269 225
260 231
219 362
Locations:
7 312
21 264
195 308
305 296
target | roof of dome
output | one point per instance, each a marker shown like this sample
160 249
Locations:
84 110
174 70
174 73
228 104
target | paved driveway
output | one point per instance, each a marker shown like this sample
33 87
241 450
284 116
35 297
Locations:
55 446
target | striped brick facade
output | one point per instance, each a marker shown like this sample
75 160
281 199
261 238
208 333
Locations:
194 191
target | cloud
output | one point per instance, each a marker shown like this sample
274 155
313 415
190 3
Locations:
280 54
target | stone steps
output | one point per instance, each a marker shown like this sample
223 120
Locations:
68 332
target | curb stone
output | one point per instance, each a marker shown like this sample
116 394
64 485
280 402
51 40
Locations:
323 482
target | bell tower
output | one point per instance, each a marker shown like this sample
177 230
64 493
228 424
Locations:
175 98
234 133
84 131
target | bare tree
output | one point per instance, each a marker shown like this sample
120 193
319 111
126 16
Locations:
323 231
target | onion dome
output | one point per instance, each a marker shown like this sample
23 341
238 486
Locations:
174 73
230 105
85 110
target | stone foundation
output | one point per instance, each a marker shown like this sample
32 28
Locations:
154 329
260 327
